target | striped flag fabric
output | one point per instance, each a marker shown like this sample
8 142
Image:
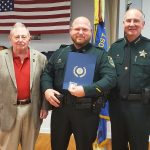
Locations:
40 16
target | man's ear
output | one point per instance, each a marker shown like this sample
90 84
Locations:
9 37
30 38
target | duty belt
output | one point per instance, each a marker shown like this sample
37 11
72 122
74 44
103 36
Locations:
132 97
136 97
78 102
93 103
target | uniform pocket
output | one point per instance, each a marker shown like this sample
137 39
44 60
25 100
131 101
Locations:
142 67
141 72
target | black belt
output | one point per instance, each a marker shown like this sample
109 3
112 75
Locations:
78 102
136 97
132 97
23 101
70 99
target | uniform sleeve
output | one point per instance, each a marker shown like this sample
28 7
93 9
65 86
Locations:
45 103
105 77
47 76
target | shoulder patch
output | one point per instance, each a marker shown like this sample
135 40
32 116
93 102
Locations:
119 40
99 48
145 38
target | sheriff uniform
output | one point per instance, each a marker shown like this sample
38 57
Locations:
129 100
77 115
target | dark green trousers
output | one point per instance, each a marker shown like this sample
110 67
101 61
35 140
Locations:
129 123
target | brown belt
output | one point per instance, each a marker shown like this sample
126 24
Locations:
23 101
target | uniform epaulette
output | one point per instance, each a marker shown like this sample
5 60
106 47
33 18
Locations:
145 38
119 40
100 48
63 46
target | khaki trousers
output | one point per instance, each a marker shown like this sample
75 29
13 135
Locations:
23 131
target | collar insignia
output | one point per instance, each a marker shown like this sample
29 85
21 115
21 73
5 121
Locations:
142 53
137 40
59 61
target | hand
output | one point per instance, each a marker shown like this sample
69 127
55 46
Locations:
77 91
50 97
43 113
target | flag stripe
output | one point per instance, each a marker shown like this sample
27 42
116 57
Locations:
53 31
39 24
61 19
42 9
42 16
42 5
42 28
35 14
38 1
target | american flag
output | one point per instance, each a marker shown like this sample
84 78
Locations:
40 16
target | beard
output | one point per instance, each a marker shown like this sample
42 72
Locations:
80 42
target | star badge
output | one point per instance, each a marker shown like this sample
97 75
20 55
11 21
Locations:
142 53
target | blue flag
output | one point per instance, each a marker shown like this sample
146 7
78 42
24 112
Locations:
79 69
100 37
101 41
102 129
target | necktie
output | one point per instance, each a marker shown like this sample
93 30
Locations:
125 76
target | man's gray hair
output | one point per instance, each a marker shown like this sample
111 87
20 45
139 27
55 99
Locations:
19 25
131 9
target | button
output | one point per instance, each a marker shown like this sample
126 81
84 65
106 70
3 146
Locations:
126 68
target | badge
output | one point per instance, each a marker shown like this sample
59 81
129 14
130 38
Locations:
111 61
142 53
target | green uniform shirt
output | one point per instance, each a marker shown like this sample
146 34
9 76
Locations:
104 75
139 67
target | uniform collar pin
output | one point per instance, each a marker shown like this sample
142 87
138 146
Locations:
137 40
59 61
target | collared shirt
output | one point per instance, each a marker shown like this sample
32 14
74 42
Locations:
22 74
81 50
139 67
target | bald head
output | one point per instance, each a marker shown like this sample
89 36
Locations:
81 20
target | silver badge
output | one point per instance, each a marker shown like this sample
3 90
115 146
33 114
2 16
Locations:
142 53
